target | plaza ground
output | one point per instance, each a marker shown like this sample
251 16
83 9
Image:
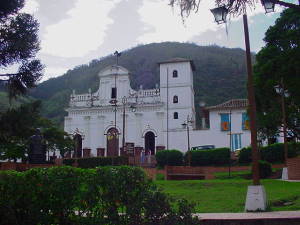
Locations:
228 195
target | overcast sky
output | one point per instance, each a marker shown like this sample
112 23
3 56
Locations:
73 32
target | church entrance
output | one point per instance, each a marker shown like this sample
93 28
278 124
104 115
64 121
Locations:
150 142
112 142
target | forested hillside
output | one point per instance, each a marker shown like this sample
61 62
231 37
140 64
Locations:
220 74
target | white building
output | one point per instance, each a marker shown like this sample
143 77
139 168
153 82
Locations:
153 118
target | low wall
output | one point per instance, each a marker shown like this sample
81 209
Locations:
293 165
22 166
284 221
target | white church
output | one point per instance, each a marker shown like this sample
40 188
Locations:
116 116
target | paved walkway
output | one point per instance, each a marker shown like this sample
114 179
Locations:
250 216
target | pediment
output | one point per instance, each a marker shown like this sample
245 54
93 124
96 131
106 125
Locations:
113 70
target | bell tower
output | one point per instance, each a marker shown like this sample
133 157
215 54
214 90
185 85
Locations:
177 92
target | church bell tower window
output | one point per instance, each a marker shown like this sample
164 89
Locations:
175 73
113 92
175 99
175 115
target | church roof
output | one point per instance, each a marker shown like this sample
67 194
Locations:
112 70
231 104
177 59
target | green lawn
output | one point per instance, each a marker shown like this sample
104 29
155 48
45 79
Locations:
228 195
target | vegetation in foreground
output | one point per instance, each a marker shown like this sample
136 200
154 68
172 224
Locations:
228 194
106 195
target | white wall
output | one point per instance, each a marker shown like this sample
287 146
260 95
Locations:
150 114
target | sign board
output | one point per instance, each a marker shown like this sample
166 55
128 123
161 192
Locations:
130 148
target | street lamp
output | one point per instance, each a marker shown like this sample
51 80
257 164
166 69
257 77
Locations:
124 101
268 5
186 125
283 94
220 14
202 105
257 190
133 109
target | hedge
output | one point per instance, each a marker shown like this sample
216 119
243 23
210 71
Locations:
169 157
97 161
217 156
106 195
265 169
272 153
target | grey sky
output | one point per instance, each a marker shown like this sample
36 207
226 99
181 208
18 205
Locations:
73 32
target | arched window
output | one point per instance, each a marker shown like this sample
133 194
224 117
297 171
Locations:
175 73
175 115
175 99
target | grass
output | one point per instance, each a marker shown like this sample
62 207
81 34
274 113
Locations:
228 195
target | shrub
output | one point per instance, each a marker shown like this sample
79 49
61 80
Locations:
160 176
265 169
218 156
97 161
272 153
40 196
68 162
169 157
245 155
106 195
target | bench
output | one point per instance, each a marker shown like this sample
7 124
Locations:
185 173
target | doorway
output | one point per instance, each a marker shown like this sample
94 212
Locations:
112 138
150 142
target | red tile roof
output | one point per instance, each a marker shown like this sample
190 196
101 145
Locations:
231 104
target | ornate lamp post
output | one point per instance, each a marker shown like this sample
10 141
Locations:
124 102
256 197
220 14
283 94
186 125
202 105
133 108
268 5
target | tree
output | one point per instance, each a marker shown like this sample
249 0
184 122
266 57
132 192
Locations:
17 125
18 47
276 63
235 7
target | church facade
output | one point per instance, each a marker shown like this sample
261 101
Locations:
116 116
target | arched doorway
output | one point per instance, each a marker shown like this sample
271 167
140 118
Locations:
112 138
150 142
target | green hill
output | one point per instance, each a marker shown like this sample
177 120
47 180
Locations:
5 104
220 74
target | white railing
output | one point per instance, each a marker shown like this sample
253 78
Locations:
148 93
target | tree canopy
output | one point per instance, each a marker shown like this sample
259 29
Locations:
235 7
18 47
18 124
279 63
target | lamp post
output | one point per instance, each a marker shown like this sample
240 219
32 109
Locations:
268 5
124 101
256 198
202 105
186 125
133 108
220 12
230 144
283 94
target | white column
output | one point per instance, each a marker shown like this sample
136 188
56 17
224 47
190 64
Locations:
160 140
139 129
87 138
